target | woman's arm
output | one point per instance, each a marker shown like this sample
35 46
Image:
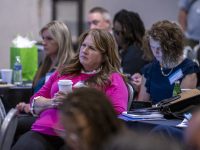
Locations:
45 91
43 98
40 103
118 93
143 95
189 81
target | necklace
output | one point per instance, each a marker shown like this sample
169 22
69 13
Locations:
165 74
92 72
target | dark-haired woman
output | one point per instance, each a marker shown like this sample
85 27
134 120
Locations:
129 30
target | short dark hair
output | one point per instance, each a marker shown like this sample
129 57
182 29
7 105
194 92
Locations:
98 9
101 10
133 29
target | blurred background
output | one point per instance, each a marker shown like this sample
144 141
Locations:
26 17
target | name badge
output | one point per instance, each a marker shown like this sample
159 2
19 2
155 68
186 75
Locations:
175 76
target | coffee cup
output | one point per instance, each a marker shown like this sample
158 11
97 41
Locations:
65 86
6 75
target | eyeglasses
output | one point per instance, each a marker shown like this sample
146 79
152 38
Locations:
48 38
94 22
116 32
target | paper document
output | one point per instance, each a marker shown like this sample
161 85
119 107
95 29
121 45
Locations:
183 124
146 115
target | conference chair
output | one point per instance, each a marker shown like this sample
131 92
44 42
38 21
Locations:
7 130
130 95
2 111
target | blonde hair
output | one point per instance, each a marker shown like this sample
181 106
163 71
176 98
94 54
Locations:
61 34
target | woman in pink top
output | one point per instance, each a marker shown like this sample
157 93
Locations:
96 65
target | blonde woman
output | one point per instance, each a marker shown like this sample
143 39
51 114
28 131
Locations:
58 50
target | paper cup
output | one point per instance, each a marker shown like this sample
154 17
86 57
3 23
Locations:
65 86
6 75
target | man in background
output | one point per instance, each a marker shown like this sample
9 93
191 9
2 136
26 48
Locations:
189 19
99 18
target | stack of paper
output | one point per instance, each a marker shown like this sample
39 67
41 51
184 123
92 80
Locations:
143 115
183 124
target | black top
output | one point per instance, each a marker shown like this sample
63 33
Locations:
42 81
132 60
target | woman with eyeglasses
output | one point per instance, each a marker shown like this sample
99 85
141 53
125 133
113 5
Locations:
166 39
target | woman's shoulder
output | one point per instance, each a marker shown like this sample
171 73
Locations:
187 63
116 77
115 74
55 75
188 66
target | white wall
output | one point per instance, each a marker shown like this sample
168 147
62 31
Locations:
26 17
149 10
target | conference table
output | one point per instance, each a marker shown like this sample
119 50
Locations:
11 95
149 124
170 128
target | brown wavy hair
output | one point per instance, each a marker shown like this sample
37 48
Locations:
171 38
105 43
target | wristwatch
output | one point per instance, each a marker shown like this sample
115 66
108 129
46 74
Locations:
32 108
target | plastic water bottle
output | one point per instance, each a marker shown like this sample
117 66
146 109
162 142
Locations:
17 71
177 88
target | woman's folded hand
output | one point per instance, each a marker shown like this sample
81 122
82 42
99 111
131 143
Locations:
58 98
23 107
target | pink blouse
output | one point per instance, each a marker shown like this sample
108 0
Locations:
49 118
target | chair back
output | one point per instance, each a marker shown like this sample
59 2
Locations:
192 54
130 95
7 130
188 52
197 53
2 111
